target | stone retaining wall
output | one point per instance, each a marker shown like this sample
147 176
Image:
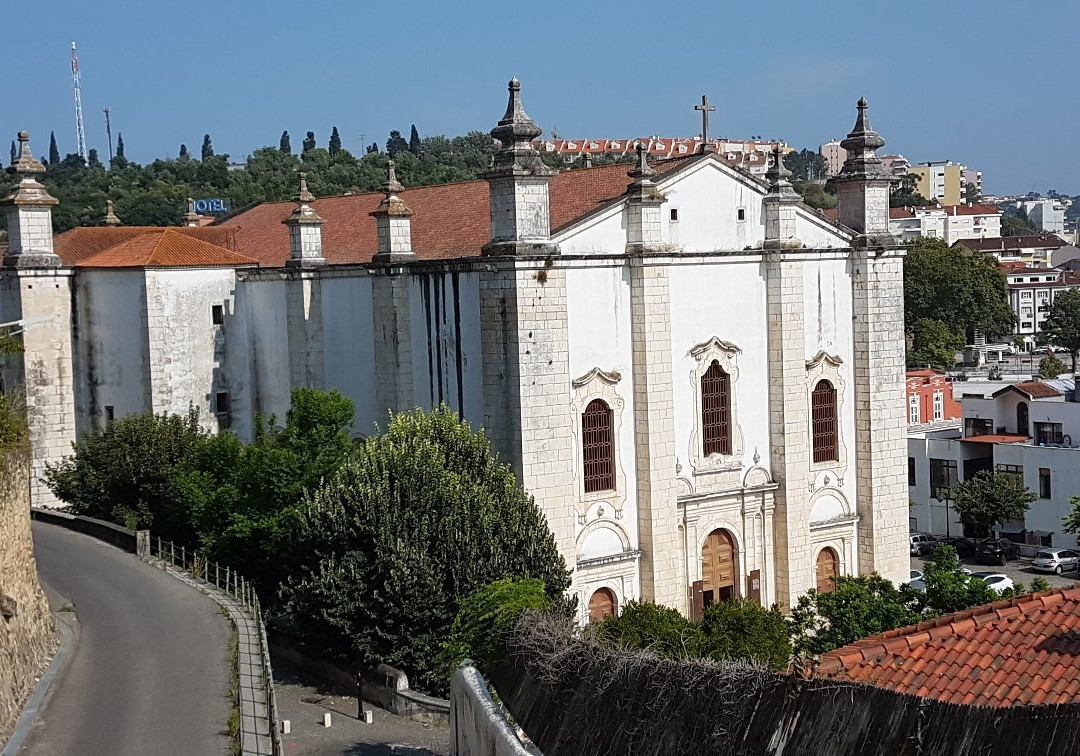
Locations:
27 635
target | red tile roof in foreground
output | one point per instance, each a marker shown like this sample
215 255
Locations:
166 248
448 221
1023 651
78 244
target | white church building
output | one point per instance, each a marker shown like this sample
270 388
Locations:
699 378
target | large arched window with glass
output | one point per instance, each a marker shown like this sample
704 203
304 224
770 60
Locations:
823 422
598 447
715 411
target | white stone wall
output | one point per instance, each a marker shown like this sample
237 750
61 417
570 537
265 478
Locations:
111 355
305 239
258 354
304 314
519 209
30 231
864 206
186 349
348 346
394 233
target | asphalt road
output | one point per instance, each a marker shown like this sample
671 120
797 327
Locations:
1019 570
149 673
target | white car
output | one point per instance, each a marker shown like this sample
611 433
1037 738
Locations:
998 582
915 575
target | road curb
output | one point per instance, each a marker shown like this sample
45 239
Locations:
41 691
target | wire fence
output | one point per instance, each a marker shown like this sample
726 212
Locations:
235 585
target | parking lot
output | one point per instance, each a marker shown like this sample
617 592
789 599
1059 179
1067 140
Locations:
1019 570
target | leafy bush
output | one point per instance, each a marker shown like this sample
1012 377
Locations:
416 520
125 472
1039 584
949 588
660 629
1051 367
858 607
743 629
485 618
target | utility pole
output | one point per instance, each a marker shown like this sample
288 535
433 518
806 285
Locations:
108 130
80 132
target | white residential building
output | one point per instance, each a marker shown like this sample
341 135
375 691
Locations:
1031 429
1047 214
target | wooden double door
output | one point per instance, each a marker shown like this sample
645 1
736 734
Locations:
719 568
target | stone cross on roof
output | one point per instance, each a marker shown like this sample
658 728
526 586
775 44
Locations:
705 109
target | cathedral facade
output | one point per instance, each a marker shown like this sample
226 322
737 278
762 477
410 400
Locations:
698 378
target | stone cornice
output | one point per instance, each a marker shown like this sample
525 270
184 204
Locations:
713 343
610 378
823 356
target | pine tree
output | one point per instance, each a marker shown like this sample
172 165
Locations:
373 149
54 151
309 142
207 147
119 144
284 144
414 141
335 142
396 143
13 152
183 152
92 158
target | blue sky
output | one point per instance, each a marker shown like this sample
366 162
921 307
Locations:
987 84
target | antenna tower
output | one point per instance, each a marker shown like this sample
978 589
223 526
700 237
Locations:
80 132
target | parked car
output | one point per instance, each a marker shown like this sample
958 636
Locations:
996 551
965 547
918 584
922 544
915 575
998 583
1056 560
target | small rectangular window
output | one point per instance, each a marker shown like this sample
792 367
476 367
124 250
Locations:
221 409
217 314
1044 483
674 213
911 471
741 213
109 413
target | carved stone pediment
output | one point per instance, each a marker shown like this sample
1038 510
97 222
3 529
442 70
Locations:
712 345
597 374
823 356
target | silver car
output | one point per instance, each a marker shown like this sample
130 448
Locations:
1056 560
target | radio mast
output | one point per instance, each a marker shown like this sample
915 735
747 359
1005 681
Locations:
80 132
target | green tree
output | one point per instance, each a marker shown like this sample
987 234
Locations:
119 145
815 195
948 588
92 159
971 193
283 144
124 473
1014 222
485 619
991 498
419 518
183 152
660 629
1051 367
335 142
964 291
1071 521
906 194
207 147
856 608
415 145
13 152
395 144
309 142
743 629
1062 325
54 151
933 344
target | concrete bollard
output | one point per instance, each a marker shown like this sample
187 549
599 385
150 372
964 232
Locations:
368 717
326 719
286 726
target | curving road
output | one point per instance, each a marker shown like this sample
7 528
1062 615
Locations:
149 673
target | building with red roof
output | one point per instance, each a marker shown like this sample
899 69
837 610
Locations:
696 376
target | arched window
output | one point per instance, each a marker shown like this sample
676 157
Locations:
828 567
715 411
823 418
1022 419
597 447
603 604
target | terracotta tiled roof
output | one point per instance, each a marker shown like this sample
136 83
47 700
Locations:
997 438
78 244
167 248
1033 389
1023 651
448 221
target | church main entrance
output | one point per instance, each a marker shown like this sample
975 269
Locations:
719 568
